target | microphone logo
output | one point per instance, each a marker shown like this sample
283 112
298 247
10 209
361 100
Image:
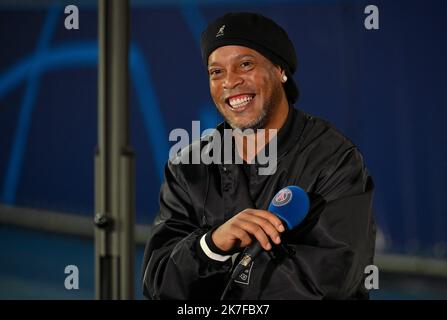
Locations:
282 198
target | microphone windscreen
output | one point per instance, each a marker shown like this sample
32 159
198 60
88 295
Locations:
291 205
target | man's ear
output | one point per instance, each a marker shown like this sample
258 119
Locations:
279 71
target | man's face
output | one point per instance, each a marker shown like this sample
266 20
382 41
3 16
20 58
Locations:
245 86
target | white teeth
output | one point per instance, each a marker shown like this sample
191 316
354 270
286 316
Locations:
240 102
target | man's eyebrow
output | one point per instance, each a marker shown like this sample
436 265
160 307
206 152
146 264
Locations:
241 56
238 57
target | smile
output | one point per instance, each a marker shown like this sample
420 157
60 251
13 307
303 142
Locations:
240 102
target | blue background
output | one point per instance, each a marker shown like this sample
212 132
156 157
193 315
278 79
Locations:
384 89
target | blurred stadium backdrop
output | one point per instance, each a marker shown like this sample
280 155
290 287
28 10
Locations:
385 89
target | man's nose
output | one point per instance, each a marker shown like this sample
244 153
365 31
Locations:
232 80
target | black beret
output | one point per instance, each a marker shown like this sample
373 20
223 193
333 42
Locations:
259 33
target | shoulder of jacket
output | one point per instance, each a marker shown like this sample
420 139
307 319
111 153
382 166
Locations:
184 155
182 164
325 135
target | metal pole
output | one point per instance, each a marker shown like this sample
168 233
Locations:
114 163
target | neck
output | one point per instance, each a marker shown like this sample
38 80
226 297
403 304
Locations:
249 145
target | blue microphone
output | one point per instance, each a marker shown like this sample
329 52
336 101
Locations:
291 205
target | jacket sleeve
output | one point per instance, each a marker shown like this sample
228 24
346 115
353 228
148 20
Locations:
174 265
330 257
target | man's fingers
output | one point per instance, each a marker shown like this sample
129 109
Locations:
257 231
241 230
272 218
267 227
242 236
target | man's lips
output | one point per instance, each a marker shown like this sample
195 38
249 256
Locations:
239 102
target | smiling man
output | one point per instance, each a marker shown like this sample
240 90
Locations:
247 88
209 213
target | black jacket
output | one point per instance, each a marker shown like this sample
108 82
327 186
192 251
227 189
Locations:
330 249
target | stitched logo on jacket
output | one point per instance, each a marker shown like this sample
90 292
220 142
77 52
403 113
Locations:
244 276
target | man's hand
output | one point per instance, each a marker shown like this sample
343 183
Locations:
246 226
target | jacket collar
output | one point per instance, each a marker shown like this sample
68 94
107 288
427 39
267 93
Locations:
287 136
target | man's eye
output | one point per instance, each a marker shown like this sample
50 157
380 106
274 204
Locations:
214 72
246 64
